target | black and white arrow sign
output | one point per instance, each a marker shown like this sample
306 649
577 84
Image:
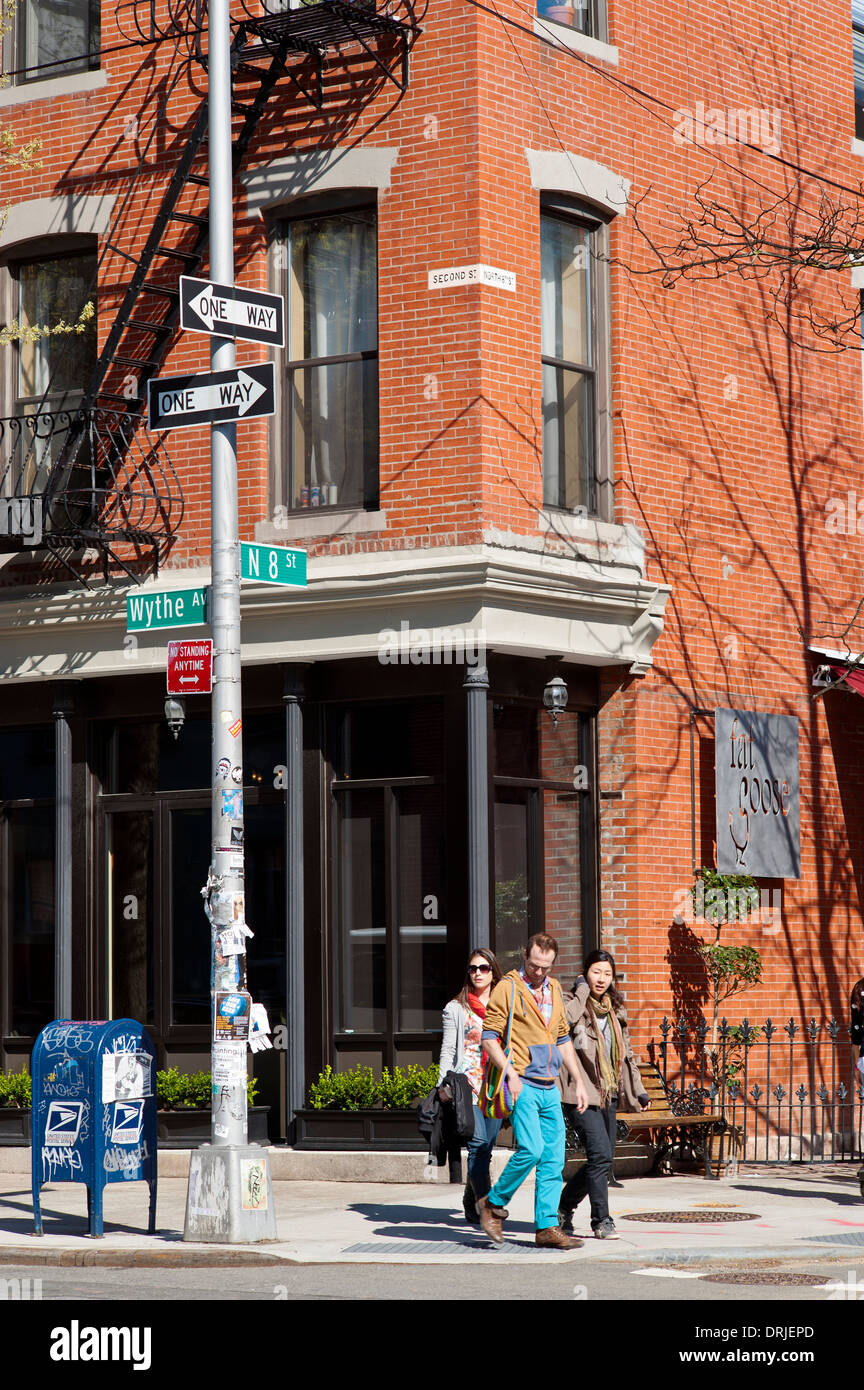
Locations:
229 311
174 402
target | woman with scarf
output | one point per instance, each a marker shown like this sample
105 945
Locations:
461 1051
598 1027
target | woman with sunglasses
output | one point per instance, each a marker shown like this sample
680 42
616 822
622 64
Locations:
461 1051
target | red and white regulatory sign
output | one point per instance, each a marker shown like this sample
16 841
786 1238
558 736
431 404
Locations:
190 667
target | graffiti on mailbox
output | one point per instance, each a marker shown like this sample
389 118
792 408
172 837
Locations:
68 1037
60 1161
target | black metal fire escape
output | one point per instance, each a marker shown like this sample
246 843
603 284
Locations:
107 482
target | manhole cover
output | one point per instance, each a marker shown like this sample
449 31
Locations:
680 1218
775 1277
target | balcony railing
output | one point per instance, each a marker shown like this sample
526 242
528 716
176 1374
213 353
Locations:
79 478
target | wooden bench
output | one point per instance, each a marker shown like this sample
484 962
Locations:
669 1129
666 1129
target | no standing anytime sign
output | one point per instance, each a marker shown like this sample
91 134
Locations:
190 667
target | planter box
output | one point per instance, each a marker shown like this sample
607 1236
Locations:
358 1130
186 1129
14 1126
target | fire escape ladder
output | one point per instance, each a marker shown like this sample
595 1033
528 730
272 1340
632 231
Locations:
102 480
141 334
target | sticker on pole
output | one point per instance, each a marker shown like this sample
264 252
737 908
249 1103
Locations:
233 1011
190 667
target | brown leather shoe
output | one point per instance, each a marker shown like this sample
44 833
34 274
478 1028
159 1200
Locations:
553 1238
492 1220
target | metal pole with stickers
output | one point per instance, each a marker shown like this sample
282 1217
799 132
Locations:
229 1197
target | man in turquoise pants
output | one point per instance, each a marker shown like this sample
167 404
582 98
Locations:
539 1045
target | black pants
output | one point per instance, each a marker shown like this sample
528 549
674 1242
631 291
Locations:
595 1128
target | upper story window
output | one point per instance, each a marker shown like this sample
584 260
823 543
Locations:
574 385
53 370
55 38
858 64
330 432
586 16
44 378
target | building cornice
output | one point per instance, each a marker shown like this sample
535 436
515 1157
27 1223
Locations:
525 602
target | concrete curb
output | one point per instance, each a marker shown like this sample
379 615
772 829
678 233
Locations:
753 1254
139 1259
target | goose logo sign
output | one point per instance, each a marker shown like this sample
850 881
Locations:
758 803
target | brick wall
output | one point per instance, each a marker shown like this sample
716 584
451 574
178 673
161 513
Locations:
729 442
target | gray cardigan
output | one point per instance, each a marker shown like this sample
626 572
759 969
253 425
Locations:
453 1021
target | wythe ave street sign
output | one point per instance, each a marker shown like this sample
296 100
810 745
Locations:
272 564
167 608
229 311
176 402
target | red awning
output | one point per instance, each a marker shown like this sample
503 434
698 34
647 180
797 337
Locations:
853 676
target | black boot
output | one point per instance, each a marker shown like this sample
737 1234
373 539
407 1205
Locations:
469 1205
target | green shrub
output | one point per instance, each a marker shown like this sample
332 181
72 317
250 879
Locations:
176 1090
357 1089
15 1090
399 1088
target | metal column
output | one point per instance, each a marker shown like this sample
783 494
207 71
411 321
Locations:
476 687
294 920
63 706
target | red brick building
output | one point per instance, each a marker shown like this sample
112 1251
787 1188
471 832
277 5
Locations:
505 445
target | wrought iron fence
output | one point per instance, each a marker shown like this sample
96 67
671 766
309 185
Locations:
789 1093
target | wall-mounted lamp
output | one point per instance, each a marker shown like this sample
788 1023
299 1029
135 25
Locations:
555 697
823 678
175 713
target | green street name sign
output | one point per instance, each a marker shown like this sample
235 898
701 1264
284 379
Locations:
272 564
174 608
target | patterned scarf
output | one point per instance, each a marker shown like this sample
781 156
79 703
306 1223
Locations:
477 1005
609 1066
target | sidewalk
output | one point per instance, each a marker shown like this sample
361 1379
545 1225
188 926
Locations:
802 1213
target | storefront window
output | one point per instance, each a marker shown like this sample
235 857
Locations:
30 847
27 879
131 915
389 865
542 825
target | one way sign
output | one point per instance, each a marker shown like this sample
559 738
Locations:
229 311
176 402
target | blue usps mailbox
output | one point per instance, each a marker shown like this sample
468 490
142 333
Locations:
94 1110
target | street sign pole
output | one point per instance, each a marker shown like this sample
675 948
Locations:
229 1198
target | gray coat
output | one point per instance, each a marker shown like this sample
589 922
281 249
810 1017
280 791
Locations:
453 1021
583 1031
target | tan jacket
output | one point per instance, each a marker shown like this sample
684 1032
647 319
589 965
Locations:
533 1046
583 1031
